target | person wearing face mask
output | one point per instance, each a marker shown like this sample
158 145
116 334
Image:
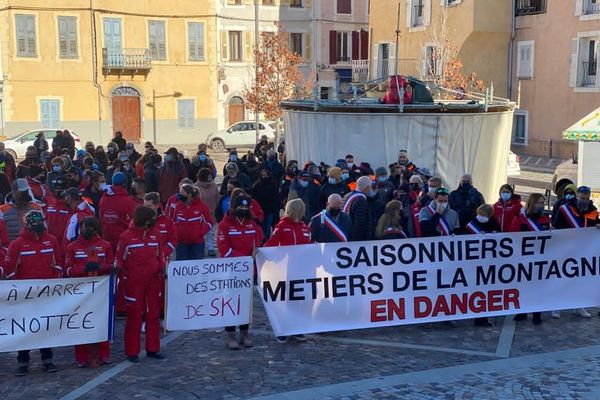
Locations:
333 185
389 226
78 210
34 254
138 190
465 200
273 166
507 207
209 193
304 188
132 153
263 141
252 167
112 152
119 141
7 163
31 158
152 173
89 255
416 186
57 212
199 161
234 158
56 178
238 235
193 220
171 173
291 171
101 159
173 200
141 262
225 200
94 190
356 205
331 225
90 149
17 203
385 188
568 196
404 162
532 219
266 193
438 219
36 181
353 168
578 212
232 171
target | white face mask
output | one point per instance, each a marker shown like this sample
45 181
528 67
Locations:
350 164
443 205
482 219
103 186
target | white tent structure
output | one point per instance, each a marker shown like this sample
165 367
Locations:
449 144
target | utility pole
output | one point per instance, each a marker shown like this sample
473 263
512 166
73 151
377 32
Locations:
397 41
154 116
256 44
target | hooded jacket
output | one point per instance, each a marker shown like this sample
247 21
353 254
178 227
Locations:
193 221
288 233
505 212
116 210
33 257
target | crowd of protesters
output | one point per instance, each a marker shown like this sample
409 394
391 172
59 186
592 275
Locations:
97 211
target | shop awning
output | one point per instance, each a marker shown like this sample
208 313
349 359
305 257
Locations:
587 128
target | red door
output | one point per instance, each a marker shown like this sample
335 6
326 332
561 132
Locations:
236 113
126 117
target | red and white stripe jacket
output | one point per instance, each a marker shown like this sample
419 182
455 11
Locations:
82 251
192 222
34 257
238 238
288 232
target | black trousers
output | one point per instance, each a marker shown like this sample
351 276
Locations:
232 328
23 356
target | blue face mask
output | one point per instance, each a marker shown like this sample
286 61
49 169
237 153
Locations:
332 181
381 179
345 176
506 196
569 196
202 157
169 157
123 159
303 183
233 157
56 168
372 193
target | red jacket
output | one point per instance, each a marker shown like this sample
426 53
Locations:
4 241
235 239
521 224
82 210
504 213
171 173
139 255
170 206
139 202
82 251
58 216
288 233
39 189
168 235
31 257
116 210
257 211
192 222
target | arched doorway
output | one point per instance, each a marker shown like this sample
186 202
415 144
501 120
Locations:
126 116
237 110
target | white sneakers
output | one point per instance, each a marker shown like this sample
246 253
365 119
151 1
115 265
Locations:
582 312
556 314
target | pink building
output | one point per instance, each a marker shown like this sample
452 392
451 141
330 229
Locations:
556 51
342 39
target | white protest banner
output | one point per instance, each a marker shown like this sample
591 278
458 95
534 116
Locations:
209 293
341 286
44 313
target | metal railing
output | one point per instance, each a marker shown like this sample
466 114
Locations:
530 7
369 70
592 7
417 18
589 73
127 59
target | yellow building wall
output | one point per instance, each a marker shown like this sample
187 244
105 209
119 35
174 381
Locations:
480 30
86 109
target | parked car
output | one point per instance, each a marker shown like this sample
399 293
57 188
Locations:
240 134
17 145
514 167
564 174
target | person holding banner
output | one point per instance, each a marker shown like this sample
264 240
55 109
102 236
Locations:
35 254
438 219
140 259
389 226
578 212
532 219
90 255
290 231
238 235
331 225
193 220
356 206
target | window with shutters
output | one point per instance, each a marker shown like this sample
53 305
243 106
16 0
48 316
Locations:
591 7
344 6
430 63
185 113
196 41
295 3
67 37
525 59
236 46
343 47
26 39
157 40
586 67
50 113
296 43
520 127
417 12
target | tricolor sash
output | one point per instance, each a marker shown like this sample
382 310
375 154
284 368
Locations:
351 200
473 228
442 225
533 226
567 211
332 226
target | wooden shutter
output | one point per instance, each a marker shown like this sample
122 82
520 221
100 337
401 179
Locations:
355 48
409 13
332 47
224 45
578 7
307 47
72 36
574 68
192 45
63 45
364 45
162 40
31 39
248 56
427 12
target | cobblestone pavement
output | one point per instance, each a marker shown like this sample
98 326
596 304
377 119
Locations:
556 360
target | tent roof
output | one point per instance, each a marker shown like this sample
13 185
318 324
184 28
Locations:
587 128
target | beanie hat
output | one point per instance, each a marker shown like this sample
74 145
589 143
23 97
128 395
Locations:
572 187
119 179
334 172
381 171
241 201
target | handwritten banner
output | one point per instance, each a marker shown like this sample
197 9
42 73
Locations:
209 293
55 312
331 287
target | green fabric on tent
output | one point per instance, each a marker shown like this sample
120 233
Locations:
587 128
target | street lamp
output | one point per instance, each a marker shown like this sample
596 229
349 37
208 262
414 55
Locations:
160 96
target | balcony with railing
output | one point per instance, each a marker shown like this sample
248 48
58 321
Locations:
134 61
591 7
370 70
589 73
530 7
